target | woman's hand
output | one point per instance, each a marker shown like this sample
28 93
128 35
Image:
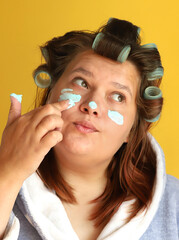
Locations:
28 138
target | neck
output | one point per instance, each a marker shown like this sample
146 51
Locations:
88 182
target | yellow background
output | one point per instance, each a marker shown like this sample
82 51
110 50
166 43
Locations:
26 24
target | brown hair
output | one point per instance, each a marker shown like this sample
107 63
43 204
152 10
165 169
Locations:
131 173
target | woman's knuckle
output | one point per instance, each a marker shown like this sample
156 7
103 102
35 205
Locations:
50 119
55 134
48 108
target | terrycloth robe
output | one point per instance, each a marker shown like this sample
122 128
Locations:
39 214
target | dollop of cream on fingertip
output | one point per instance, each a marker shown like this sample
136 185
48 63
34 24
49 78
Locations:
73 98
17 96
116 117
92 105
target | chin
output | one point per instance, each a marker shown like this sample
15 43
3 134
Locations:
75 146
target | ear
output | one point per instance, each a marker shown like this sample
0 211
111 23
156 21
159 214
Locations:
126 139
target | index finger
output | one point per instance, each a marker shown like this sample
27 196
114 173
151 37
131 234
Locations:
62 105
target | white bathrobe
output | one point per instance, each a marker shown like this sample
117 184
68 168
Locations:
39 214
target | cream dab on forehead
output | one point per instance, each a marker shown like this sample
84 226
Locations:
73 98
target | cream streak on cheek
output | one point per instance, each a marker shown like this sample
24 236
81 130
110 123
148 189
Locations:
116 117
73 98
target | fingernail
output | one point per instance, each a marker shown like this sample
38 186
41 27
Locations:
17 96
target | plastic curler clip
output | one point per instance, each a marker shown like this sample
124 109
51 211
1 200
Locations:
149 45
152 93
124 54
45 54
110 19
138 30
156 74
153 119
97 39
42 79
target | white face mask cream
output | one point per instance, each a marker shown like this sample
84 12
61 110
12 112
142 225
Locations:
116 117
66 90
73 98
18 97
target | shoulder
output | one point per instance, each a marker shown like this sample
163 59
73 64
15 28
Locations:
170 197
165 224
172 187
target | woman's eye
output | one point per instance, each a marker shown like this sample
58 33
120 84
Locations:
118 97
81 83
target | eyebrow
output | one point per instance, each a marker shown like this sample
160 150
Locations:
90 74
83 71
121 86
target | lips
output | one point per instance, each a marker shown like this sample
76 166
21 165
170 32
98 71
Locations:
85 126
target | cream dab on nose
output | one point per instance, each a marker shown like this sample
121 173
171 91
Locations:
92 105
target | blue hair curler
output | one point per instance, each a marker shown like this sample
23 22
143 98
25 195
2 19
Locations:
156 74
152 93
45 53
149 45
110 19
138 30
42 79
124 54
97 39
153 119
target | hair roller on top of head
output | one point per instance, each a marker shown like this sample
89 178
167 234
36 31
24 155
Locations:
110 19
149 45
138 30
42 79
114 33
97 39
123 55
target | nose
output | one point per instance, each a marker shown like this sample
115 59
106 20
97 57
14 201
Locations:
90 107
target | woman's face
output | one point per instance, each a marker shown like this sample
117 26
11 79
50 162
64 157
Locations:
102 109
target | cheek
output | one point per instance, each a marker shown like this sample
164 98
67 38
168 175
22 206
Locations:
73 98
121 124
116 117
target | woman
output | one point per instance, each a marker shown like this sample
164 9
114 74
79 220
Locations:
100 174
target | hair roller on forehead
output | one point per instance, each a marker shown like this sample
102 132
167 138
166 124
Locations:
123 55
97 39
